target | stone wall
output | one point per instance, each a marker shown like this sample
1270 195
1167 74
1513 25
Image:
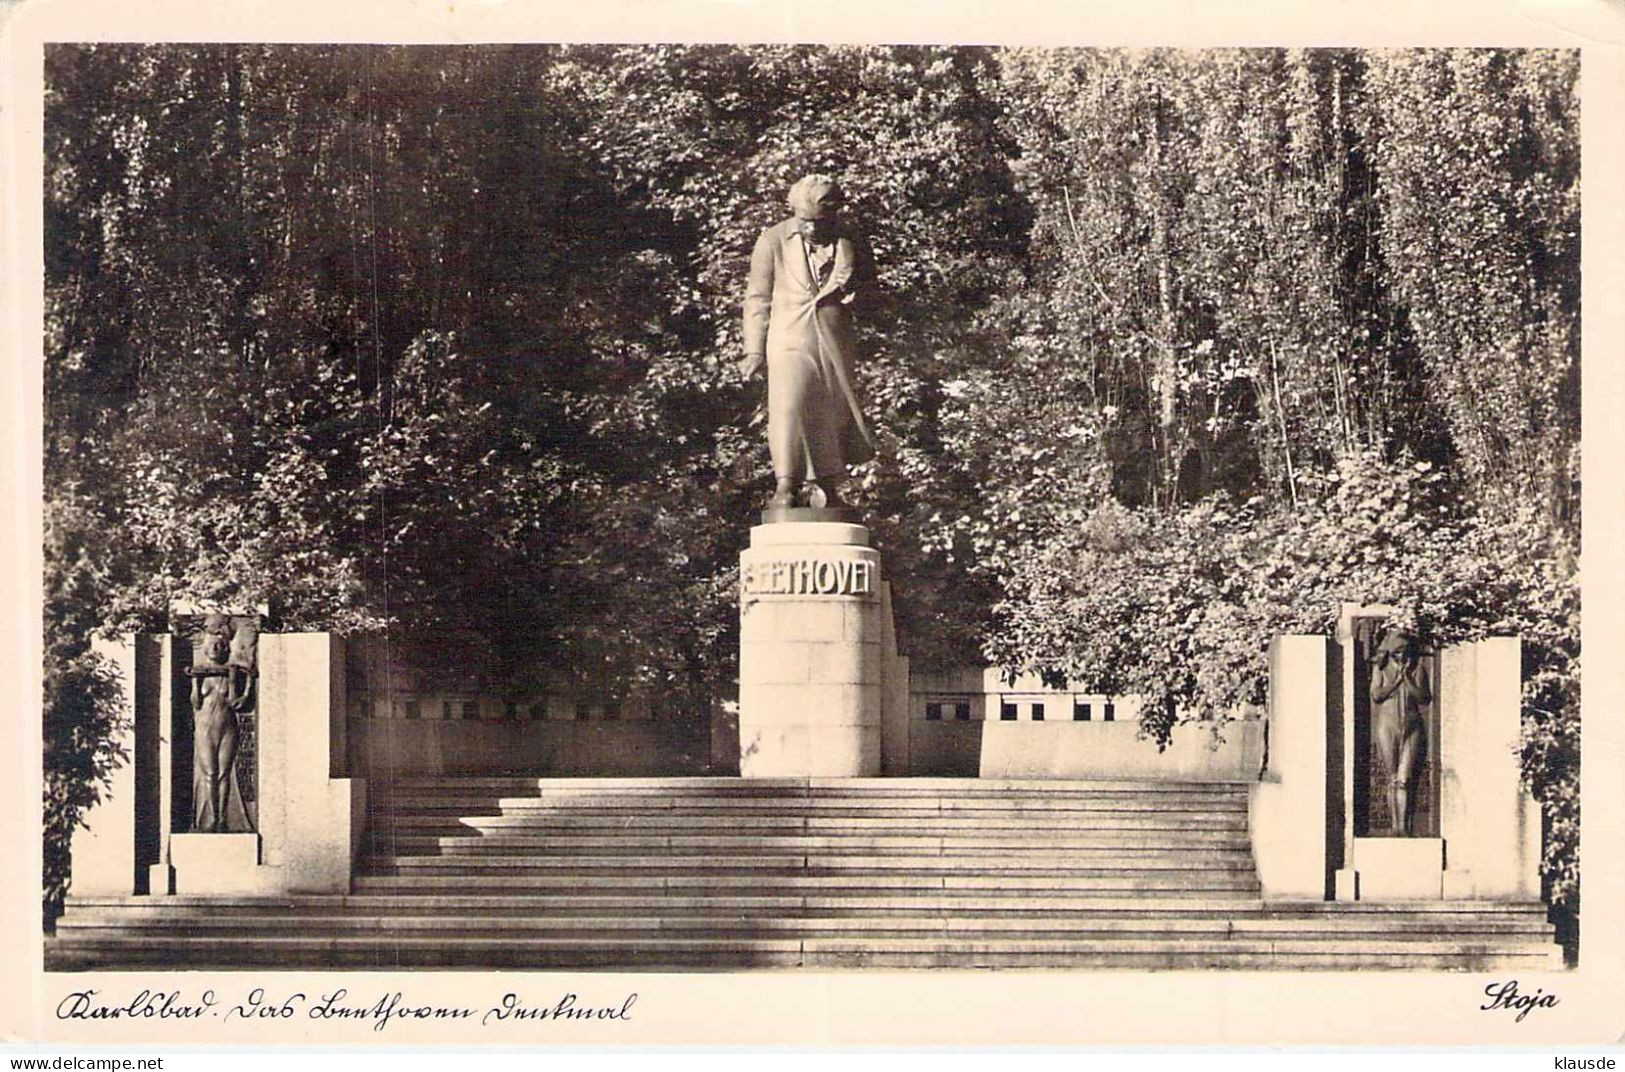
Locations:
425 707
972 721
641 748
1198 752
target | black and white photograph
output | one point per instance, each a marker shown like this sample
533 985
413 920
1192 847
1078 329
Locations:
742 511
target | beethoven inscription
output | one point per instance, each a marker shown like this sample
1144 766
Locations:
809 577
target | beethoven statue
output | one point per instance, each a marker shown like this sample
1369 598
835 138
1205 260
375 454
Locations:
805 274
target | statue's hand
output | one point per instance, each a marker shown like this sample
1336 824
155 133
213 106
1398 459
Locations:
751 364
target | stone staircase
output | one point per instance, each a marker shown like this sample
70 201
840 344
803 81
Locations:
724 873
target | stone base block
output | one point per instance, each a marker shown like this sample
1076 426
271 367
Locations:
821 751
160 879
812 652
216 863
1394 869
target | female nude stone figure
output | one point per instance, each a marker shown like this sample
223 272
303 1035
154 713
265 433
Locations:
1401 693
221 673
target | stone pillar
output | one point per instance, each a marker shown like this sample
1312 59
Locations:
1345 881
1296 807
310 813
1491 826
161 874
118 841
810 627
894 699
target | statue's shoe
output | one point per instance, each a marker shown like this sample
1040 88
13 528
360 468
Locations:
820 497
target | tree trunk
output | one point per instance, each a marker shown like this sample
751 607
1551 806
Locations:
1165 366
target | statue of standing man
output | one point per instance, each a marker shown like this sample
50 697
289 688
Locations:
805 274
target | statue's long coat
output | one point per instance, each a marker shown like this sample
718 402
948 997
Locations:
815 425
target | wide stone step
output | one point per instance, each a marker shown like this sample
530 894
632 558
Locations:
1054 863
1239 944
647 951
861 805
856 805
509 846
726 785
1016 837
1435 914
90 925
1034 821
669 823
767 882
659 900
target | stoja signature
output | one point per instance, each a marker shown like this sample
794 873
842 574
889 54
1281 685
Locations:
1506 996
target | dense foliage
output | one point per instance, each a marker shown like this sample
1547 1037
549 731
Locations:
1315 321
1173 352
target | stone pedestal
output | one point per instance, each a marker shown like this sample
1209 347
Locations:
207 864
811 651
1393 869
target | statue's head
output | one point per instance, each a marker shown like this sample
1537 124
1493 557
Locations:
816 201
1395 645
215 649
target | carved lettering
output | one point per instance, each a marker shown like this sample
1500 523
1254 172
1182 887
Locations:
808 576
